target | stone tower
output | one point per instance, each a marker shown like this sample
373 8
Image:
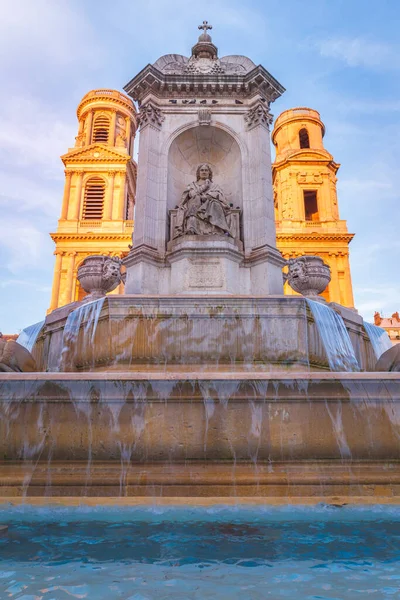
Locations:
305 198
100 188
217 237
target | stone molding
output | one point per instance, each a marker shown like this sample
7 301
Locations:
265 253
144 253
194 247
315 237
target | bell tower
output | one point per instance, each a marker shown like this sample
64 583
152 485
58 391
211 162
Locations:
99 192
305 199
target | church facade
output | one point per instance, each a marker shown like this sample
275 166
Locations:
97 215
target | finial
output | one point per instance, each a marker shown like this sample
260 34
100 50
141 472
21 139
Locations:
205 26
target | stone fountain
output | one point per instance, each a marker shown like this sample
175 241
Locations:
203 382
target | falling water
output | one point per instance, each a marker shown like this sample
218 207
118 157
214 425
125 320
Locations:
379 339
335 337
89 315
29 335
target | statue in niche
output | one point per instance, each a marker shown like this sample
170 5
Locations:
203 209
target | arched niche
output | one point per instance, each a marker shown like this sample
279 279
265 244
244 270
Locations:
205 144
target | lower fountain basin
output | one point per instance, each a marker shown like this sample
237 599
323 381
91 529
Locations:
259 437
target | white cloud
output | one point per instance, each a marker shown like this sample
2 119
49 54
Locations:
357 52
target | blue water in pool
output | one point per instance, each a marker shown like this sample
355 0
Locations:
182 553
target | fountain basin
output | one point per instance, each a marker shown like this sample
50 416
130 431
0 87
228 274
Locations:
278 332
240 435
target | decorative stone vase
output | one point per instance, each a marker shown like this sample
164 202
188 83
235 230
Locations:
99 275
309 276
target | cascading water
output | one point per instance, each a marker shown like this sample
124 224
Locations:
29 335
379 339
335 337
89 315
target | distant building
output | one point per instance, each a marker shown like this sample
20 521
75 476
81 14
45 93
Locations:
8 336
389 324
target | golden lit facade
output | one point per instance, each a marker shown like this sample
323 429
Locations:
306 206
99 193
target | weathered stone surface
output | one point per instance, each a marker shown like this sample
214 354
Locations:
390 360
184 435
14 357
208 331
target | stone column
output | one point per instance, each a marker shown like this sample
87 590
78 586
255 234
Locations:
149 237
56 281
110 197
334 290
118 206
70 277
111 137
76 205
128 135
89 121
67 190
259 230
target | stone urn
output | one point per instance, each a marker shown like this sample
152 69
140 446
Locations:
309 276
99 275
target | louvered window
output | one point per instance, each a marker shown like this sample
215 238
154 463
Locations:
94 199
100 129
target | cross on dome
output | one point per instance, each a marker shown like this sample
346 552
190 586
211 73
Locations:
205 26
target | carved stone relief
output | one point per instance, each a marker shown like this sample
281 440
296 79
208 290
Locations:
150 114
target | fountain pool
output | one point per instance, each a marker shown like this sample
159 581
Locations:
198 553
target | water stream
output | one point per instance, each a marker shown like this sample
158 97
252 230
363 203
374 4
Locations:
88 314
335 337
379 339
29 335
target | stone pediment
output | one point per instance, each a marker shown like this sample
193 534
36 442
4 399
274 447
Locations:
303 156
95 153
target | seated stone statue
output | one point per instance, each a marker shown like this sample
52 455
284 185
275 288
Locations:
14 357
203 209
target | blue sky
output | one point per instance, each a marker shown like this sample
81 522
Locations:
341 58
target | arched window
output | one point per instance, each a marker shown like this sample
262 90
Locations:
101 127
94 199
303 138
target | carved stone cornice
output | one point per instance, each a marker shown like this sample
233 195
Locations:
312 237
258 115
150 114
90 236
152 81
